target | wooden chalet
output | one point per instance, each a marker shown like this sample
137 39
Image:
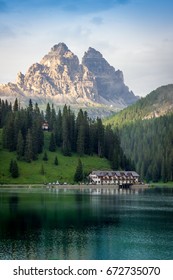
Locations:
121 178
45 125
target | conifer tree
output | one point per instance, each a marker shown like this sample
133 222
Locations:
115 161
45 157
48 114
66 148
30 106
58 133
29 147
100 135
35 138
29 117
78 176
11 166
80 140
52 144
9 133
56 161
36 109
17 126
16 105
20 146
52 118
14 169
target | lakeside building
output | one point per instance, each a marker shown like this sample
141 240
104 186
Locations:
121 178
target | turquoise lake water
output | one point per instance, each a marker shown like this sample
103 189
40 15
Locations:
46 224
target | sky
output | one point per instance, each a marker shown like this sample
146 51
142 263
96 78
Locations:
135 36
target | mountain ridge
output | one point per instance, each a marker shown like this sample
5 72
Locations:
60 77
157 103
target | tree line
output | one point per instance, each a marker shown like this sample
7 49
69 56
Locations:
22 130
23 133
84 136
149 144
144 107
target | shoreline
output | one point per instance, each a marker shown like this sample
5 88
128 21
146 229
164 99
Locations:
73 187
85 187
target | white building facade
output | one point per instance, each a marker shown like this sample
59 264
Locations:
120 178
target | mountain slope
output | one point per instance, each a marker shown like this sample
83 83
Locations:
60 77
158 103
148 144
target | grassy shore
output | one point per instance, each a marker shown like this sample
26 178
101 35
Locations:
30 173
161 184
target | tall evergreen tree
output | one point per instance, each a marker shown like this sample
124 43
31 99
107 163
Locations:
78 176
66 147
115 160
11 166
9 134
14 169
81 140
100 133
29 117
28 147
52 118
58 133
16 105
48 114
56 161
45 157
20 146
52 144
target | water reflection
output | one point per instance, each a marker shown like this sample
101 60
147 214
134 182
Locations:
83 225
52 212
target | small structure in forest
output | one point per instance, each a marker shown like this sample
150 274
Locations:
45 125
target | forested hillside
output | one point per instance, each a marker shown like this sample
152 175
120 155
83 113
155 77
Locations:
23 135
146 134
158 103
149 144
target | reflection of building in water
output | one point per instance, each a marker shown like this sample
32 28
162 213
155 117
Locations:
120 178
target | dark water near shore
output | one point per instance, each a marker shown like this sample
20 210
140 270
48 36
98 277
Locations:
45 224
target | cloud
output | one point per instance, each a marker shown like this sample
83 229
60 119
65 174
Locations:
97 20
6 32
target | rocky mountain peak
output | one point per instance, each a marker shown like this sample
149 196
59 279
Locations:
60 55
59 49
92 53
20 79
61 78
96 63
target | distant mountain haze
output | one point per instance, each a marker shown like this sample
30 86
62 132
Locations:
60 78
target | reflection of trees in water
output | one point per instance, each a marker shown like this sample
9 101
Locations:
81 226
13 203
54 227
79 214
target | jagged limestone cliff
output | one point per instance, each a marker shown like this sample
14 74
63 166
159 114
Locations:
61 78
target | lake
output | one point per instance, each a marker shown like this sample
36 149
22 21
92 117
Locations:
50 224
